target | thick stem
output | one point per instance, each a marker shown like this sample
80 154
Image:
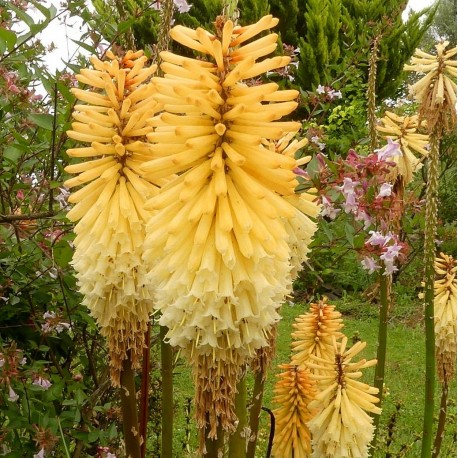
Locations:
441 423
129 410
379 377
238 441
215 447
430 254
167 396
255 412
144 391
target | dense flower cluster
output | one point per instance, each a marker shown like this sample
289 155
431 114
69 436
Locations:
219 238
403 131
322 406
109 208
294 391
383 251
342 426
445 316
436 90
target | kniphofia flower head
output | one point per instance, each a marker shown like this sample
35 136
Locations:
445 316
293 392
112 120
342 426
315 333
436 90
218 236
403 131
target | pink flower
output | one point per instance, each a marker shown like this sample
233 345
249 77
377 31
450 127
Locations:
320 89
182 6
350 204
369 264
328 208
12 396
377 238
362 215
385 190
348 186
40 454
390 150
44 383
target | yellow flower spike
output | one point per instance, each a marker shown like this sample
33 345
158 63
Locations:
221 288
445 316
314 333
342 427
293 392
403 130
111 274
436 90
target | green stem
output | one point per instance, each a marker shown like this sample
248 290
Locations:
129 410
430 254
167 396
255 412
215 447
442 420
143 423
237 441
379 377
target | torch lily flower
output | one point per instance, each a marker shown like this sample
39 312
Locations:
314 333
112 119
217 240
403 130
342 428
293 391
436 90
445 316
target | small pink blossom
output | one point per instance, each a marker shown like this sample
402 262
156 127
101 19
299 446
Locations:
12 396
385 190
348 186
362 215
320 89
350 205
390 150
44 383
377 238
182 6
334 94
369 264
328 209
40 454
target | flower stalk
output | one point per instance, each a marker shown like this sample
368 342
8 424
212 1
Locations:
238 440
379 377
429 274
255 412
167 396
436 94
129 411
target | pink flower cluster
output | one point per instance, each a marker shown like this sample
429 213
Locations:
53 323
360 181
383 251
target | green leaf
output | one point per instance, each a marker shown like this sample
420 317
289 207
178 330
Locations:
7 40
12 153
62 253
93 435
42 120
350 233
85 46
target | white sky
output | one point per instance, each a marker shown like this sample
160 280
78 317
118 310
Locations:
59 32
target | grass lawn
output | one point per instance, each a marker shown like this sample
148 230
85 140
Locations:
404 380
